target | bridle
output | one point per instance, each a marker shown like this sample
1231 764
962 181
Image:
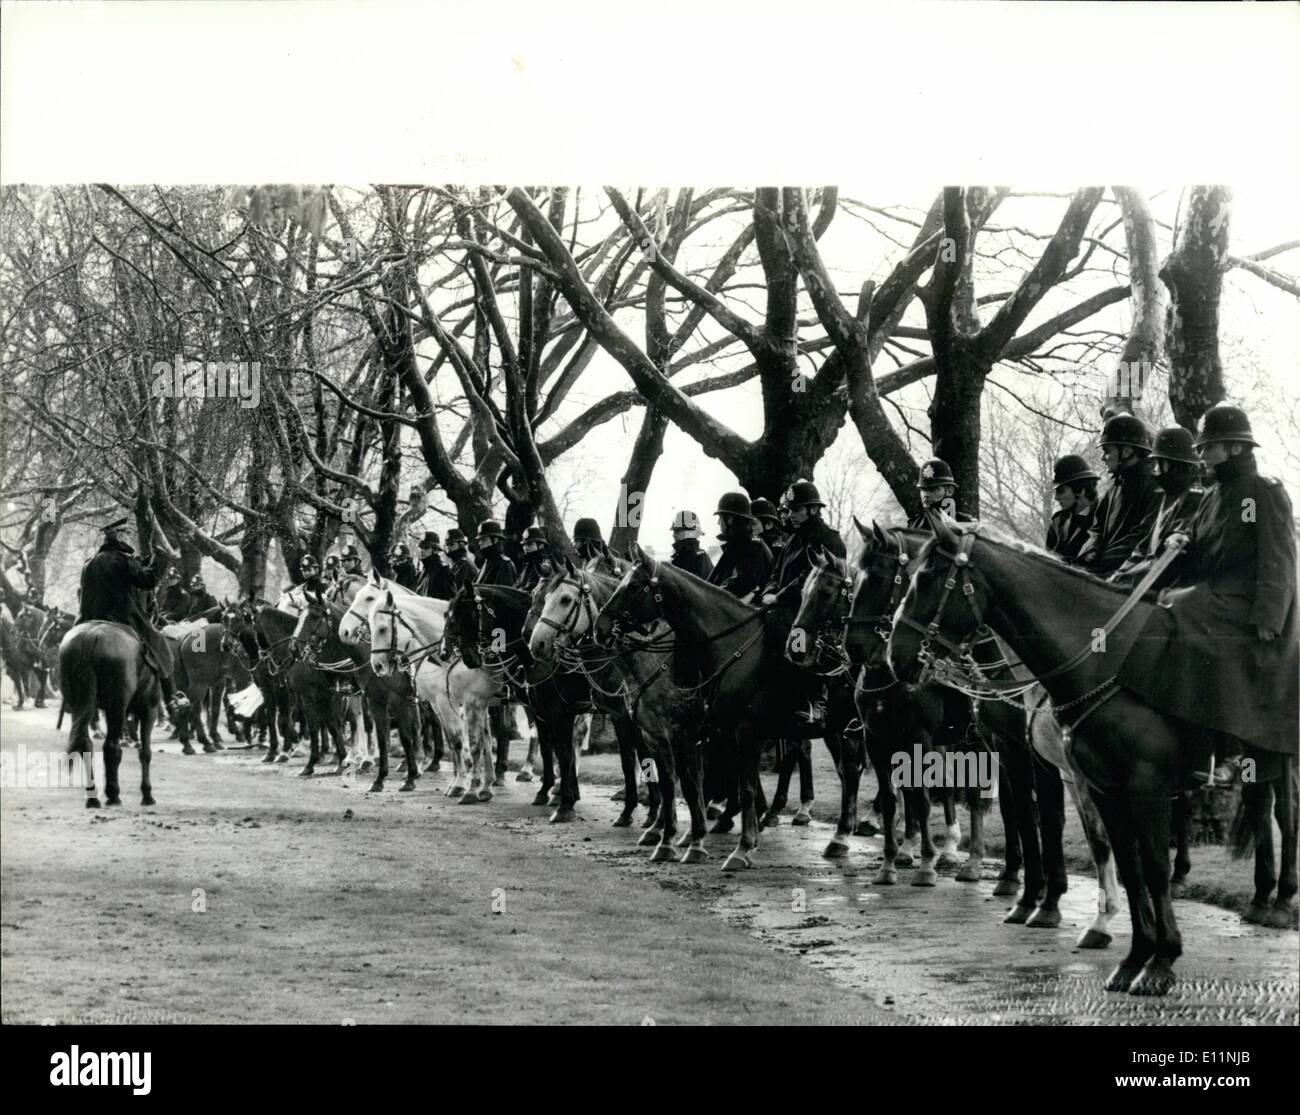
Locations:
583 605
882 622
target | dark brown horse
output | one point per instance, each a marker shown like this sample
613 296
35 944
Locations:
1132 757
102 668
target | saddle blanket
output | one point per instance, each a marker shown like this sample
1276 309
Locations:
179 631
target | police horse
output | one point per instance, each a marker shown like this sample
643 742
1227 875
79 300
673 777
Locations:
102 668
1132 757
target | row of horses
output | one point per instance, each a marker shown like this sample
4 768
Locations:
29 647
691 677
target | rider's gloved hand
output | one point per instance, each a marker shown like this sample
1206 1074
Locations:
769 598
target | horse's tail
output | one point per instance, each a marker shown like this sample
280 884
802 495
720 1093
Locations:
78 677
1241 839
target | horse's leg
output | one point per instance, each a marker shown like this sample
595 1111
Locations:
481 772
847 751
379 718
80 695
1098 934
1257 802
626 732
1009 880
1286 806
970 871
952 827
746 749
887 800
1018 762
786 760
408 731
216 695
661 763
529 770
1152 821
1182 854
687 759
41 690
114 721
926 875
1050 792
559 727
1123 843
146 753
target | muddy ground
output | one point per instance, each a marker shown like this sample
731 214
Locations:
249 894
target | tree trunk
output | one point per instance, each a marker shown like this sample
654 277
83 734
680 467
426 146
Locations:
646 451
1194 275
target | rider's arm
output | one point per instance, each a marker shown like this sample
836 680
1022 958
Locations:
1275 559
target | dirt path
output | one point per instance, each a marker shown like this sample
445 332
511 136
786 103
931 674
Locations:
386 915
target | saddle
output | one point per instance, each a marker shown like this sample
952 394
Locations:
182 630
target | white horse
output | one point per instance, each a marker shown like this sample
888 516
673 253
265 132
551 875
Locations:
405 627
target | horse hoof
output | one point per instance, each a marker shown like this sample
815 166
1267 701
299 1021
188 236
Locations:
770 820
499 780
647 838
282 757
1278 917
949 859
663 854
406 787
563 816
269 759
1121 979
838 848
187 750
1005 888
524 776
903 859
541 798
367 765
113 801
737 861
865 828
376 787
695 854
624 821
722 824
1155 979
1256 913
148 800
618 795
469 797
683 840
925 877
306 772
712 813
92 803
1093 939
886 877
803 817
1043 918
455 791
969 873
1018 915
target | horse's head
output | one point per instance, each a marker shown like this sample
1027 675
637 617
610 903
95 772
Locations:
944 604
384 620
822 603
883 572
353 627
464 632
568 611
636 601
313 628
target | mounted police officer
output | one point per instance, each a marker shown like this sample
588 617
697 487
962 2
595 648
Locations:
1233 664
113 587
1128 507
202 601
350 560
405 572
938 493
1177 470
1076 493
309 574
686 545
769 526
535 566
746 562
782 591
333 570
589 542
436 578
174 600
463 569
497 568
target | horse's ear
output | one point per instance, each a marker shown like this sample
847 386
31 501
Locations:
568 564
818 557
879 534
942 528
375 578
644 559
866 535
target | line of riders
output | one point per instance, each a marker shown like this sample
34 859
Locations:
767 552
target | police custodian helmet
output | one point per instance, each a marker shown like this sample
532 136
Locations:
689 522
1126 429
734 503
1224 422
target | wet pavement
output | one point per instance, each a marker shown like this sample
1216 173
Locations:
941 955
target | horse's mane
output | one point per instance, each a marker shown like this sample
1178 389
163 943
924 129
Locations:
995 537
709 588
